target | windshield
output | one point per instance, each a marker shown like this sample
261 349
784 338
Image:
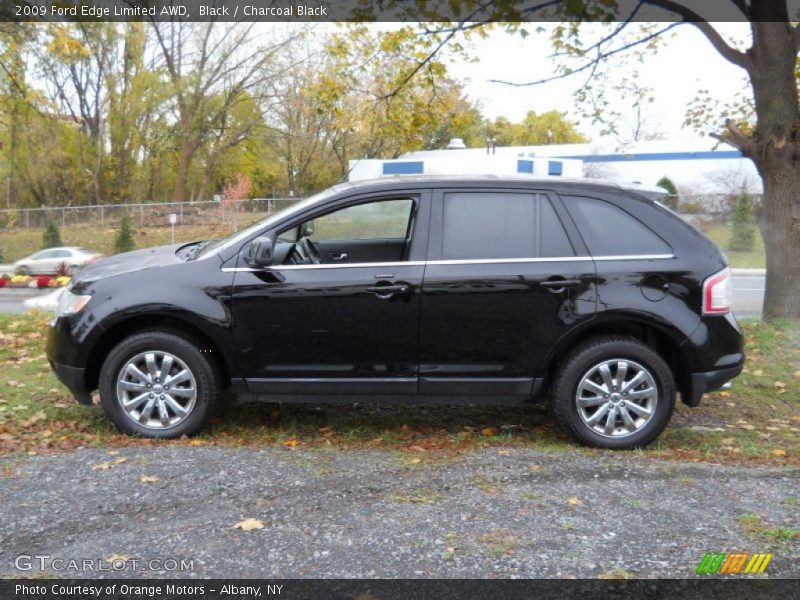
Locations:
240 236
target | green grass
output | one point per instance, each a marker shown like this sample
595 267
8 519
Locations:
759 418
754 259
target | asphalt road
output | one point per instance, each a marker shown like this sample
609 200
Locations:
748 295
347 513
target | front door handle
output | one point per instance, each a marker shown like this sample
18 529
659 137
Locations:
557 285
384 292
338 256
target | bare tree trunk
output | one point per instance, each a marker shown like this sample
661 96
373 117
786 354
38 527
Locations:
187 151
775 149
780 227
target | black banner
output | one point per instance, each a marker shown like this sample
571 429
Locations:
386 10
337 589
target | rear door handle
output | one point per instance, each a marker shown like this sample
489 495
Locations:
557 284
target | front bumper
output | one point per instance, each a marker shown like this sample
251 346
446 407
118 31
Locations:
75 379
709 381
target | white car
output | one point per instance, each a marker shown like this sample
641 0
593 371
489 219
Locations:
47 262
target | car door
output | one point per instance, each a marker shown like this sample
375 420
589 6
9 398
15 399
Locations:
504 281
41 262
340 326
59 257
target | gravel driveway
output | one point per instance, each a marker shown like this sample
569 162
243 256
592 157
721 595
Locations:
490 513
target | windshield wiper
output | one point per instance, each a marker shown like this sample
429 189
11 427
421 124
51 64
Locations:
195 251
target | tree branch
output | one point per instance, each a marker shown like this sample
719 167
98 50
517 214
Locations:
737 138
727 51
593 62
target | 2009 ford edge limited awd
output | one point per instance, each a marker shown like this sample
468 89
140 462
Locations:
410 289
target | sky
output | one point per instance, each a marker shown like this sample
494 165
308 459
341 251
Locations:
685 64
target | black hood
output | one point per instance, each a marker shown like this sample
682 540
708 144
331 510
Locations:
128 262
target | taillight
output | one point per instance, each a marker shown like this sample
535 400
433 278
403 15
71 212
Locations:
717 292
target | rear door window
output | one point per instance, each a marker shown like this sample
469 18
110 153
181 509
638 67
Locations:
610 231
489 225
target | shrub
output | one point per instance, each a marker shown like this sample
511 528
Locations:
42 281
51 237
124 241
743 226
671 199
2 256
62 269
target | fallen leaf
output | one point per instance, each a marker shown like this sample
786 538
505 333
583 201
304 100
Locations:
777 453
104 466
121 460
779 384
113 452
416 448
489 431
536 468
39 416
504 452
415 461
758 372
197 443
291 443
574 501
249 524
727 441
149 478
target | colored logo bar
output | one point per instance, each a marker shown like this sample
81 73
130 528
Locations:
733 563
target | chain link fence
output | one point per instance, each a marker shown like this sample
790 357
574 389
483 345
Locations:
149 214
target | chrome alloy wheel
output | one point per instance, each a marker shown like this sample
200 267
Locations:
616 398
156 389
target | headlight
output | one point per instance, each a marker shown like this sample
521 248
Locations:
70 303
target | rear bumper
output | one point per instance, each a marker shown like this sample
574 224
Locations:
709 381
75 379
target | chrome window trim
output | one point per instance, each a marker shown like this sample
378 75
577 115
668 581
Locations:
473 261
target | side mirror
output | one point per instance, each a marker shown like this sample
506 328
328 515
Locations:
260 252
307 228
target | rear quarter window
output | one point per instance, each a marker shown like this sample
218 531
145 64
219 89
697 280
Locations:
610 231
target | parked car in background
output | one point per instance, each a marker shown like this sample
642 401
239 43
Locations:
48 262
413 289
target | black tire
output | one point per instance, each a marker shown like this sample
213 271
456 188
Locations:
590 355
23 270
202 367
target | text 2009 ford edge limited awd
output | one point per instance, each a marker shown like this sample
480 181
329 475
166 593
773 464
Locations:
412 289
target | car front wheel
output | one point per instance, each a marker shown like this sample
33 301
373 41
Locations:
614 392
158 384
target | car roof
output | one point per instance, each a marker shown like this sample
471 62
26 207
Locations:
597 185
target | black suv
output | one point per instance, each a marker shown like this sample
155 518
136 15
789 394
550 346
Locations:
413 289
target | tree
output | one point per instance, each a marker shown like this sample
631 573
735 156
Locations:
743 227
671 199
771 140
551 127
51 238
211 70
124 242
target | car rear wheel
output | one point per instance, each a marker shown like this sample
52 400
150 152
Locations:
23 270
614 392
159 385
